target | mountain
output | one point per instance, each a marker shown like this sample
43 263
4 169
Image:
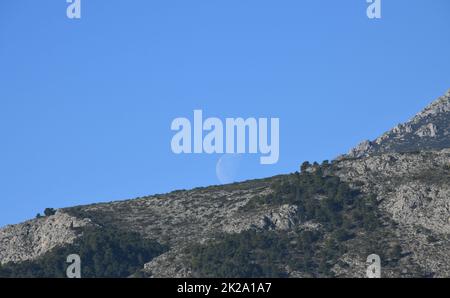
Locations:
428 130
389 197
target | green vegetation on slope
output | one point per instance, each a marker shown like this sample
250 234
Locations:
104 253
348 221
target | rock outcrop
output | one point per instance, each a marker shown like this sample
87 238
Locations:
414 191
427 130
33 238
413 187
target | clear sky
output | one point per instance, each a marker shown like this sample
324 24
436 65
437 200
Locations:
86 105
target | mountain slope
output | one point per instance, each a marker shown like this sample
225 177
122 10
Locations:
390 197
428 130
413 190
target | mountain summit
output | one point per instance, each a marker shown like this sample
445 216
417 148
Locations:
427 130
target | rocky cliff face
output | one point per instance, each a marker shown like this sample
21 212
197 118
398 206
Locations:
428 130
413 187
33 238
414 191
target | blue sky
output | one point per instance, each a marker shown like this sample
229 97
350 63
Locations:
86 105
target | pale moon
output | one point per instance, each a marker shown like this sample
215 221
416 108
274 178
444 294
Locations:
227 168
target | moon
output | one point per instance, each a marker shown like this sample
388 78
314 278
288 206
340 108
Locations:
227 168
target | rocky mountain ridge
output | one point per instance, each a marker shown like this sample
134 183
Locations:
406 170
427 130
